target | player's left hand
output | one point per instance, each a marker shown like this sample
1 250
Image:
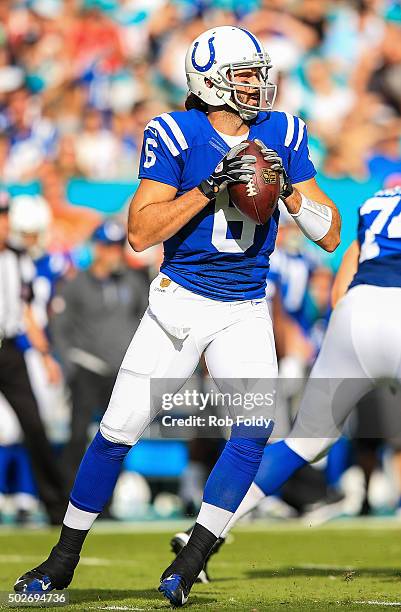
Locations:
271 156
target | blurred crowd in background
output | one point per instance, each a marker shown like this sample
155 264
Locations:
79 80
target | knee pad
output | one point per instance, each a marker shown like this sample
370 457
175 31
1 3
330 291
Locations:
129 411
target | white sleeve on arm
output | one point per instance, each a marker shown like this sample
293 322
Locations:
313 219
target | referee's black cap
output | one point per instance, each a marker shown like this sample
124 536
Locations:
4 202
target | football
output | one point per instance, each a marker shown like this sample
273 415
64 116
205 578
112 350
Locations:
257 199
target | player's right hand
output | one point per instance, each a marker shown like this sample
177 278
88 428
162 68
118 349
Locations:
53 370
231 169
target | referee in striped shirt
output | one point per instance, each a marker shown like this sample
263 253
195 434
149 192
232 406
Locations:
16 275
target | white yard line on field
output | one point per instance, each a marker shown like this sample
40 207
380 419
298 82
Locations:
105 527
378 603
372 524
325 566
17 559
91 561
116 608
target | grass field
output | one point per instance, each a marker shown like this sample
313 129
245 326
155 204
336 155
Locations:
350 566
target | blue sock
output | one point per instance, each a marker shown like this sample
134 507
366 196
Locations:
97 474
235 469
278 464
6 454
24 478
338 460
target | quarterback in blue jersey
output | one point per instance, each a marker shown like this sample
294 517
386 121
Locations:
362 345
209 296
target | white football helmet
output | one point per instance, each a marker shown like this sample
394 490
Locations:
30 214
211 62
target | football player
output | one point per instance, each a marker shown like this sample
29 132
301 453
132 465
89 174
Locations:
30 218
210 295
30 221
359 349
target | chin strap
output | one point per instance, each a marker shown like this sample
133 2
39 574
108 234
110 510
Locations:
245 113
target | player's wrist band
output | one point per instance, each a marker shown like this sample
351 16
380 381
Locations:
207 190
313 219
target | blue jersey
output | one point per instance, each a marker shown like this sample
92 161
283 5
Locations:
290 274
50 268
293 271
220 253
379 236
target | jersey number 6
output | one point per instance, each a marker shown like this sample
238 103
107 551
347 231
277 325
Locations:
223 215
149 153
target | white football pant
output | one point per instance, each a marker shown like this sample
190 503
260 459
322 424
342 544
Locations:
236 338
362 344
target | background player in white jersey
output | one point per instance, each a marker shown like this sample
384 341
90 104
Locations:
209 297
362 345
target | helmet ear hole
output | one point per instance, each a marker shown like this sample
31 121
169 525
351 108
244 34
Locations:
208 83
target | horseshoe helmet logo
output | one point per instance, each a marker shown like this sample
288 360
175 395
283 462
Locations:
210 61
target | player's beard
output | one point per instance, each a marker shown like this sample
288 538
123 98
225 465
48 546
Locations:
232 117
248 95
249 98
